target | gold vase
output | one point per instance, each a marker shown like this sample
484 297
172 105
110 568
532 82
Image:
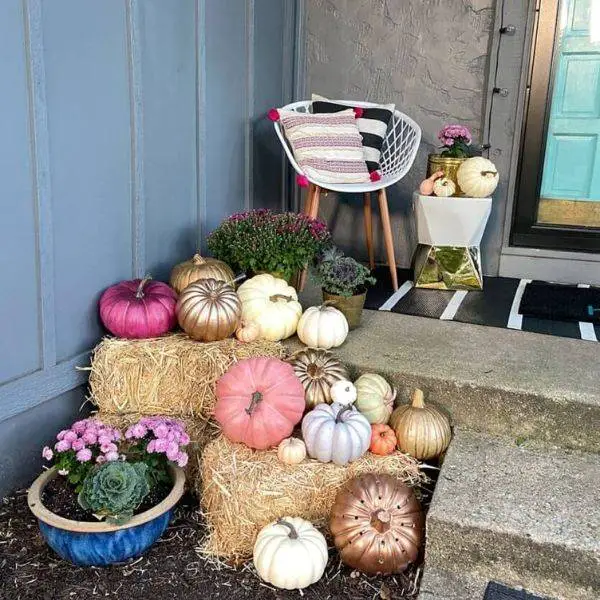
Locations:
351 307
437 162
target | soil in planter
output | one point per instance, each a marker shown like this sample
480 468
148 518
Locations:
58 497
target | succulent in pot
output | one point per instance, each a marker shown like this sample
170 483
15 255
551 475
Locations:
109 496
344 283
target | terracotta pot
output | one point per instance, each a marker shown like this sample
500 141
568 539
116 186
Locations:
351 306
437 162
100 544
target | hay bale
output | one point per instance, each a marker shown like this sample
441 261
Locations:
242 490
171 375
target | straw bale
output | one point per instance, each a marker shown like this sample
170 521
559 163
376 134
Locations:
171 375
242 490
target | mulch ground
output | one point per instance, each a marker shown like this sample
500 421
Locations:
173 569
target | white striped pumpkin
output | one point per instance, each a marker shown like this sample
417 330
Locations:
423 431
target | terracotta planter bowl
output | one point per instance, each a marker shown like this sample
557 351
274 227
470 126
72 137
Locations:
98 544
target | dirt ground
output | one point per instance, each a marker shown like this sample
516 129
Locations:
173 569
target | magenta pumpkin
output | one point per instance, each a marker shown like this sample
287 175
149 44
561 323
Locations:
138 309
259 400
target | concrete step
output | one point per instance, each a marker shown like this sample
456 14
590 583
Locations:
504 382
523 516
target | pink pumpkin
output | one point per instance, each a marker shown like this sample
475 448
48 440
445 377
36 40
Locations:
259 400
138 309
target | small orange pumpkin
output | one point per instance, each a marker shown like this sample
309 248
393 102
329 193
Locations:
383 439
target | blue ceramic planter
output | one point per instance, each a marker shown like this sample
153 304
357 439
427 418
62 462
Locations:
98 544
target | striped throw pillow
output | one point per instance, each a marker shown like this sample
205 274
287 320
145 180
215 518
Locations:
372 124
328 147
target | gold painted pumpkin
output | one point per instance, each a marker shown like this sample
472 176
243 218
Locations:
375 397
423 431
198 268
477 177
377 524
247 332
444 187
209 310
318 370
291 451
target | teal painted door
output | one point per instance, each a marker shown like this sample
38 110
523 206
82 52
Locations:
572 158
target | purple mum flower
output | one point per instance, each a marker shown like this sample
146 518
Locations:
84 455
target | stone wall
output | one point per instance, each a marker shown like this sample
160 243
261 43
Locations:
428 56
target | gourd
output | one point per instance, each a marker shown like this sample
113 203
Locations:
383 439
444 187
377 524
343 392
247 332
423 431
198 268
375 397
272 304
318 370
291 451
426 187
209 310
336 433
138 309
290 554
477 177
259 400
323 327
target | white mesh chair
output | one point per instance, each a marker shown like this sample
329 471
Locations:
397 156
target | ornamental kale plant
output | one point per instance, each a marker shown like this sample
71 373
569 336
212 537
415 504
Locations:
342 275
456 141
114 490
261 240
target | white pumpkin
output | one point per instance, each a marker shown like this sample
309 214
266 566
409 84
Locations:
477 177
290 554
323 327
375 397
336 433
291 451
343 392
272 304
444 187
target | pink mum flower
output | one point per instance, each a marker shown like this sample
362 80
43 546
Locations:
61 434
182 459
162 431
137 431
79 427
78 444
111 456
173 451
110 447
84 455
89 437
62 446
47 453
70 436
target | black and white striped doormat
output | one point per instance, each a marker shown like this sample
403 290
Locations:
496 306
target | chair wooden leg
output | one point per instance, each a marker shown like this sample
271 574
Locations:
311 208
387 236
369 229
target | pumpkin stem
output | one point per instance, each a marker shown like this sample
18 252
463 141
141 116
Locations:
484 173
276 297
417 399
197 259
140 291
338 418
380 520
293 535
256 399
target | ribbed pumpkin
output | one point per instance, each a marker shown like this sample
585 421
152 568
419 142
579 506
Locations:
375 397
209 310
423 431
259 400
291 451
318 370
247 332
322 327
377 524
477 177
197 268
383 439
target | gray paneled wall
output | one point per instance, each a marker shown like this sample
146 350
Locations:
128 130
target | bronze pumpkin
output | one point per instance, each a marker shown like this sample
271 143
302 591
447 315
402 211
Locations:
377 524
318 370
197 268
209 310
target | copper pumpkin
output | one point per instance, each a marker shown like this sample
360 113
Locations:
209 310
198 268
318 370
377 524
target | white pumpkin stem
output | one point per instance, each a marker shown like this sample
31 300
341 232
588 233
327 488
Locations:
417 399
276 297
256 399
140 291
485 173
293 534
342 411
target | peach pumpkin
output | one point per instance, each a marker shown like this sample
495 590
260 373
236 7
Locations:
259 400
383 439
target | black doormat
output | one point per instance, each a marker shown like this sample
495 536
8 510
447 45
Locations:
500 304
496 591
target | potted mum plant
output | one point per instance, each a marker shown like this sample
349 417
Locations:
261 241
108 497
344 282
